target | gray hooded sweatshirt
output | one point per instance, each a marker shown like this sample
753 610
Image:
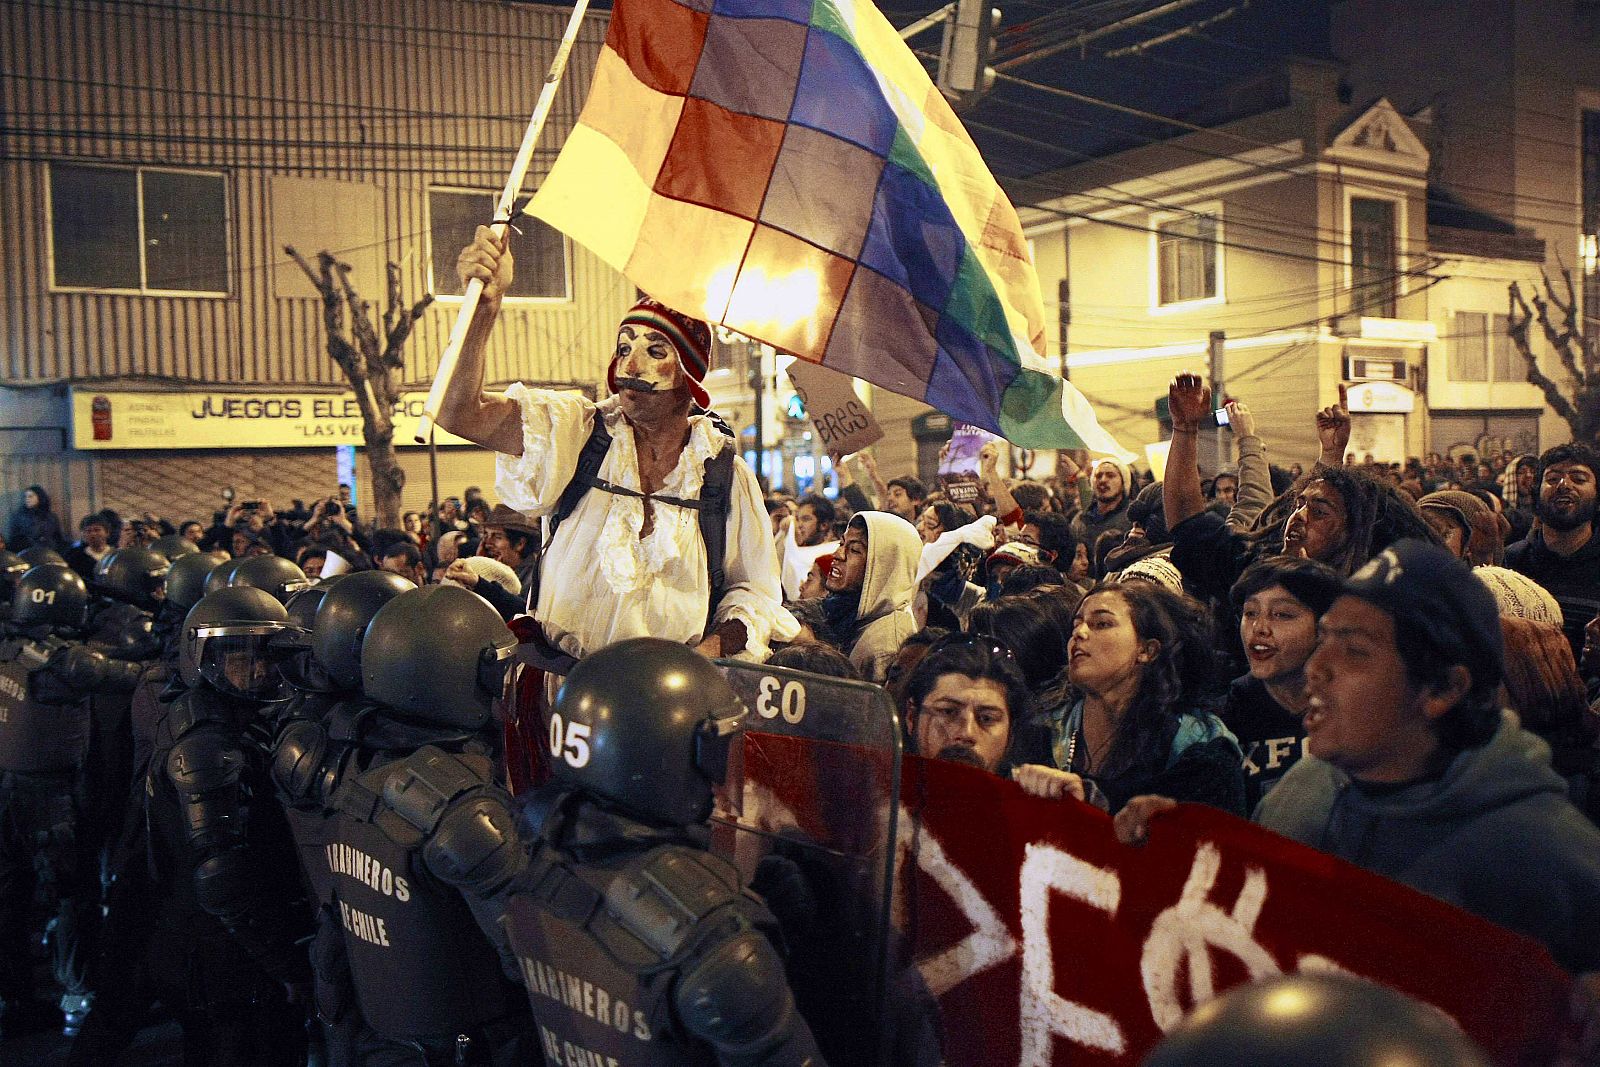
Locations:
1495 836
888 585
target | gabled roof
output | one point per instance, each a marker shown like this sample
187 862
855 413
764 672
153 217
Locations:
1380 136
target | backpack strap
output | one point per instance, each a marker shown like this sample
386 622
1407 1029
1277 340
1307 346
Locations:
584 477
716 493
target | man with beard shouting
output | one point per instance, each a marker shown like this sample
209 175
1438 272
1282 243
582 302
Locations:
1561 553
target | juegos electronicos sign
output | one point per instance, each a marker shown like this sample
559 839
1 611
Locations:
111 419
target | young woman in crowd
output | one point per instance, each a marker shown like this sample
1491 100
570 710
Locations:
34 524
1139 660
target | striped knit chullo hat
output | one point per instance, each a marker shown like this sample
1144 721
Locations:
691 338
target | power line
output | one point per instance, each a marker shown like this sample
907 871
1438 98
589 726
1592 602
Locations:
1225 134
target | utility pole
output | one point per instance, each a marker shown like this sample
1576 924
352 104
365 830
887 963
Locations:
1217 349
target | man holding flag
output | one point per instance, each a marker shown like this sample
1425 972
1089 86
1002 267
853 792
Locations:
639 487
788 170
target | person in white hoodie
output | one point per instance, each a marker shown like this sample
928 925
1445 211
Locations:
870 590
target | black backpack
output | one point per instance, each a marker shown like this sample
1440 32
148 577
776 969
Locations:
713 505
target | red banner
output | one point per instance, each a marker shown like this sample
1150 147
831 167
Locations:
1045 941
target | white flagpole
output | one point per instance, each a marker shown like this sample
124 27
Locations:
502 215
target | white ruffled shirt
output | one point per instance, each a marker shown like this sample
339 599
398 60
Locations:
600 582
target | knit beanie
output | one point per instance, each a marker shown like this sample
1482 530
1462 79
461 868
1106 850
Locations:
691 338
1121 468
1519 595
1156 568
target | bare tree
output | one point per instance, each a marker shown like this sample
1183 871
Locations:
372 364
1575 347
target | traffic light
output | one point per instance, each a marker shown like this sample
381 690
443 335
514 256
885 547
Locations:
969 44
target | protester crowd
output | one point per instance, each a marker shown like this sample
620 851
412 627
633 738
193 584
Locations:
1396 664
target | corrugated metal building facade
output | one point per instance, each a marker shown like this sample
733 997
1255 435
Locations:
328 124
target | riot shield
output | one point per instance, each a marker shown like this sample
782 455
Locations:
809 813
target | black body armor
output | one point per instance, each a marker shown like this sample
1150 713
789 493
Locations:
419 962
45 686
640 948
218 843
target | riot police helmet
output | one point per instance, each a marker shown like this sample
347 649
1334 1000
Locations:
122 631
342 621
174 545
186 581
134 576
38 554
300 669
12 567
229 640
1316 1020
646 724
437 656
222 574
278 576
50 594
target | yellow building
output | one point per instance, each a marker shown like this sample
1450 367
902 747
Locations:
1306 235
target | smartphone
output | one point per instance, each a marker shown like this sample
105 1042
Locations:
1218 417
227 493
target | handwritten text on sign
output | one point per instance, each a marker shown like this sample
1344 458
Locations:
841 417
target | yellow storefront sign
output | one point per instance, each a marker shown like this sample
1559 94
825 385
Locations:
107 418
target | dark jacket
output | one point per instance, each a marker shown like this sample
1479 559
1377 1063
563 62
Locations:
1495 836
1199 762
34 527
1091 522
1573 580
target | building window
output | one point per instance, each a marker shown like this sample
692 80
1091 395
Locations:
1374 256
1481 350
539 251
140 230
1186 259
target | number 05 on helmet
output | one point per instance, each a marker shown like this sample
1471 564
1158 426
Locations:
646 724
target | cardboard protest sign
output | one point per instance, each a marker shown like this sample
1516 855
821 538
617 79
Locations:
1040 939
842 419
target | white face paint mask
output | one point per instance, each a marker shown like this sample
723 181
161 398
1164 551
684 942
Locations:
645 360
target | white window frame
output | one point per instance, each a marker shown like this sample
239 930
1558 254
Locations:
1402 251
139 173
1211 210
1490 335
492 195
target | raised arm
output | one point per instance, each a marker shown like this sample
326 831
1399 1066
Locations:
996 486
466 410
1189 399
1255 476
1333 431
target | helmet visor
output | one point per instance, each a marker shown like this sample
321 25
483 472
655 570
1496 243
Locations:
493 664
299 667
241 660
714 742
